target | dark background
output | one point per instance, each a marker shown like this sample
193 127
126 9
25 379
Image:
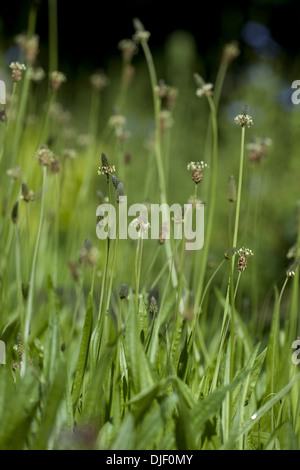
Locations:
89 31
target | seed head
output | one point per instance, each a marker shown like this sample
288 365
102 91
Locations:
29 45
69 153
47 158
15 213
37 74
99 80
56 79
128 48
243 253
161 89
14 173
117 121
244 119
153 308
230 52
88 253
141 34
27 195
123 294
205 90
258 148
141 225
292 268
171 97
231 193
106 168
197 170
17 70
165 120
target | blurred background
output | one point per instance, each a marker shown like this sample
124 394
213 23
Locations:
89 31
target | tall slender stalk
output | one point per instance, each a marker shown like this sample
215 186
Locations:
28 315
230 294
158 152
138 265
53 35
211 213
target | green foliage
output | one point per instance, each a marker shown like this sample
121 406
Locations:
196 353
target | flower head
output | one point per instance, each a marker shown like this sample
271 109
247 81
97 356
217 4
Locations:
292 268
244 119
17 70
99 80
47 158
123 293
27 194
141 225
128 48
197 169
88 253
141 34
56 79
230 52
14 173
161 89
243 253
106 168
205 90
30 45
258 148
37 74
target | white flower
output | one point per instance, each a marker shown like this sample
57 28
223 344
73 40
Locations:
141 225
243 120
245 251
204 90
197 165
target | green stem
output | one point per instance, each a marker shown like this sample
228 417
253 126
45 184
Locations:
32 20
33 270
212 199
21 114
219 83
239 190
53 35
295 290
158 153
138 264
50 102
230 295
19 277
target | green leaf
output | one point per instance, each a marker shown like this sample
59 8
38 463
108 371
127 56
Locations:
53 396
151 429
125 439
208 407
83 352
257 416
53 338
138 366
19 403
